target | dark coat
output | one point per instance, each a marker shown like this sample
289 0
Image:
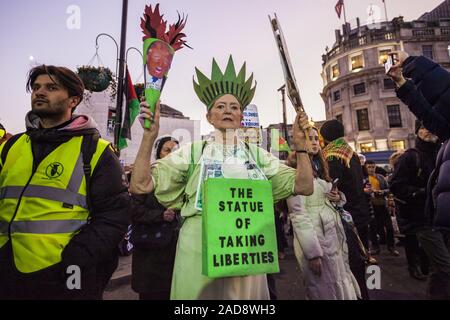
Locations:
94 249
408 184
439 185
427 95
152 268
351 183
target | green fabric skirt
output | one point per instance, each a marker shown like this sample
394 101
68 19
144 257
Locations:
188 283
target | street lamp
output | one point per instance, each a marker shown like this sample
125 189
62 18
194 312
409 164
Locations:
133 48
120 64
117 49
282 89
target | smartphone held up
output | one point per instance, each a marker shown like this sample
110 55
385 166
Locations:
334 184
390 62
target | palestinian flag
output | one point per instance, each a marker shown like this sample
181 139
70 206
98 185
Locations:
279 143
131 112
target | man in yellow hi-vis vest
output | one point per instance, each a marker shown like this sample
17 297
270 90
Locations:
63 202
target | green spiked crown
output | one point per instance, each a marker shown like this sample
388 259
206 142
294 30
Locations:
209 90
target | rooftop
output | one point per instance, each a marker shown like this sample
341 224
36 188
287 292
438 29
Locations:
430 26
170 112
440 12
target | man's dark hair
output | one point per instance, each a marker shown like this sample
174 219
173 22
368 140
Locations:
66 77
369 162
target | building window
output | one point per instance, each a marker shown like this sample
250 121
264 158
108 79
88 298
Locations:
363 119
339 118
359 88
381 144
383 56
337 95
367 147
419 24
362 40
394 115
398 144
388 84
389 36
357 62
335 72
427 51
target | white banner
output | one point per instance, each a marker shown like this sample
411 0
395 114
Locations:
251 117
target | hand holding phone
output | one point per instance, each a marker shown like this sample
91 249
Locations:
389 63
334 184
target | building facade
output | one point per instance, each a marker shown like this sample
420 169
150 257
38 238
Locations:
357 91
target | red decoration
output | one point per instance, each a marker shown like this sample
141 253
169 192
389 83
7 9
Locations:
154 26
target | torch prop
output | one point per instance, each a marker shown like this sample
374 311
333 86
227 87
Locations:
159 49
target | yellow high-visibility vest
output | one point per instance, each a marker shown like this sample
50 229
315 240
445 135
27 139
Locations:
42 208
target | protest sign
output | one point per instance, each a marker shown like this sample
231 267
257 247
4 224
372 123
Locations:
238 235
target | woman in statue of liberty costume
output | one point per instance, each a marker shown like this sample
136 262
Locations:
224 155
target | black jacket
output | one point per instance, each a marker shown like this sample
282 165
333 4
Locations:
351 183
95 248
408 184
152 268
427 95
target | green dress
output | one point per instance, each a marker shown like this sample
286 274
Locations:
174 188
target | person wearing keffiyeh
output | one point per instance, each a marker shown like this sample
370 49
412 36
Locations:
344 165
339 149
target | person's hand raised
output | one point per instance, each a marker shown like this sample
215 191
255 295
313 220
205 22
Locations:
300 126
145 113
396 72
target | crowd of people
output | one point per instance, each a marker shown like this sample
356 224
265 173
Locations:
66 202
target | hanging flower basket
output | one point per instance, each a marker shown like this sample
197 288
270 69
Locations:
95 79
139 88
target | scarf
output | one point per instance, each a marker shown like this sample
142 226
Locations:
339 149
78 125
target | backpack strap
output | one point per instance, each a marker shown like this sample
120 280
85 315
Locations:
418 161
88 148
8 144
250 151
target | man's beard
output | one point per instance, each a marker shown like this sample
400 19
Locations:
54 111
431 139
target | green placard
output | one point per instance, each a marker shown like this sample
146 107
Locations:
238 235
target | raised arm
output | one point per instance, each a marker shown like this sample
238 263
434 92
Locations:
141 179
426 95
304 175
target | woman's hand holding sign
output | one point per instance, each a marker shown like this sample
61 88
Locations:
301 125
304 175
